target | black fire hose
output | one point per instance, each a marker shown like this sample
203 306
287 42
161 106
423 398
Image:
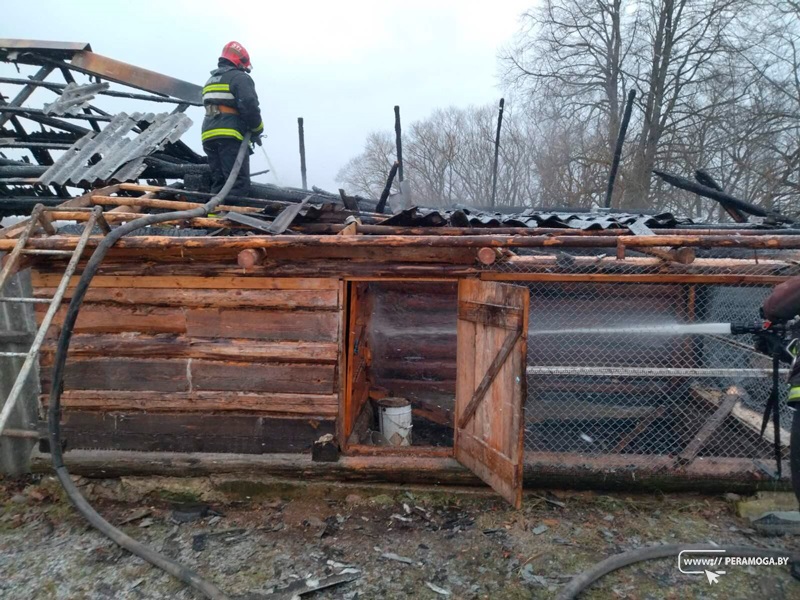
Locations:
582 582
54 417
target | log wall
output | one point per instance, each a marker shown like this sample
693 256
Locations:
214 364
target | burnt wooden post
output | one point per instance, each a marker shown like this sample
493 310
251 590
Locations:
623 129
399 142
387 189
497 149
301 134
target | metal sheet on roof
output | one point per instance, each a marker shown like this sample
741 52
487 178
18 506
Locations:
74 98
122 150
424 217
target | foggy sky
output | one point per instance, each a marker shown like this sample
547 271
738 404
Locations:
342 65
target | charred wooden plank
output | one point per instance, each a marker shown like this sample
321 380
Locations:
267 377
133 374
732 396
180 346
314 405
204 298
180 281
191 432
300 325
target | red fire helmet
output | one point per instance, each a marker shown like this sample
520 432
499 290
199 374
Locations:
236 53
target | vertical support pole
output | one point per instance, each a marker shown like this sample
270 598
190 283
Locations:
497 150
399 142
302 136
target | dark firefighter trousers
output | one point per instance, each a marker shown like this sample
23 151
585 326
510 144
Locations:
221 154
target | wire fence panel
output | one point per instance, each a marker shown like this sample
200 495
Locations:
612 370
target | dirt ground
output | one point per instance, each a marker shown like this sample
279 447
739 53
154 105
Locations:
253 539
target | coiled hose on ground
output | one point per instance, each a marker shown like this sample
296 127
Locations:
582 582
54 413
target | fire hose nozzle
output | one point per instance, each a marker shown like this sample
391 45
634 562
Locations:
759 328
748 328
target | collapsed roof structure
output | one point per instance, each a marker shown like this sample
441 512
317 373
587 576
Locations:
293 313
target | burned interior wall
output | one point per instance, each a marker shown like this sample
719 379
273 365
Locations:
412 337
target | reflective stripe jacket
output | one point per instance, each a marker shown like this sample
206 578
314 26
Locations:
234 88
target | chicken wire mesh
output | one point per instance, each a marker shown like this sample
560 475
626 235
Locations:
652 390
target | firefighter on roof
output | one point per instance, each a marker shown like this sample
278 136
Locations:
231 105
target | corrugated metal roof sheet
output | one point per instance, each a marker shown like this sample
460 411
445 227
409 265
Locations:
122 155
74 98
425 217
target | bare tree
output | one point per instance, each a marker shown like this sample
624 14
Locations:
576 57
366 173
448 160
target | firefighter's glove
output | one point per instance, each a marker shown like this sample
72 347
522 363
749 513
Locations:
256 140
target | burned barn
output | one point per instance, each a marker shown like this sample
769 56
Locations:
539 346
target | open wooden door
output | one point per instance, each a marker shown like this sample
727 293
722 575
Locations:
491 383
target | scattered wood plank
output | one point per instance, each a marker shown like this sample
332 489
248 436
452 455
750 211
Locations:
644 422
728 401
746 416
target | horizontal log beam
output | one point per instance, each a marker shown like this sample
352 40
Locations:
762 266
288 271
180 282
116 216
166 204
381 241
193 432
7 234
620 471
315 405
86 345
204 298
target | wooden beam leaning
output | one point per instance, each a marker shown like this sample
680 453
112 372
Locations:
731 398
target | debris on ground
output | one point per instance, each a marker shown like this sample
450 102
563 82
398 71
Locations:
458 544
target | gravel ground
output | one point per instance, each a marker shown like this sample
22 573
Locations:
253 539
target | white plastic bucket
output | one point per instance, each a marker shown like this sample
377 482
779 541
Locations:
395 421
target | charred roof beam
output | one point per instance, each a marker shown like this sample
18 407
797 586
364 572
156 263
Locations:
24 94
25 111
83 60
59 87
